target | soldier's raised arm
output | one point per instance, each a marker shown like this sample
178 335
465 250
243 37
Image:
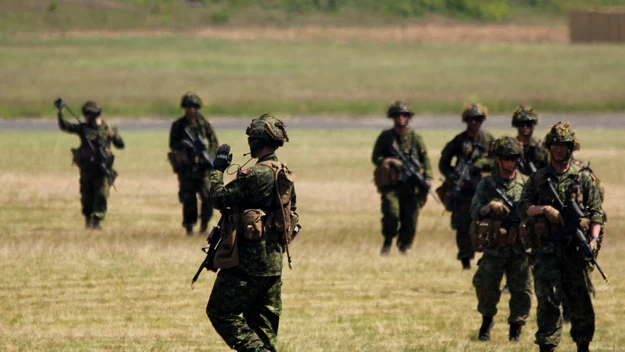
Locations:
67 126
116 138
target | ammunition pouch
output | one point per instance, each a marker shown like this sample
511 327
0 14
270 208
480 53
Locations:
535 231
252 225
389 173
81 156
488 234
227 254
274 221
178 160
443 192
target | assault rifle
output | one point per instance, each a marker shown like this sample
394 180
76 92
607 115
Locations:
570 214
200 150
98 153
214 240
412 172
512 219
463 170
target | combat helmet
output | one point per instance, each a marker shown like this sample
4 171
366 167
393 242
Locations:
267 130
91 109
398 107
524 114
474 110
507 146
190 99
561 133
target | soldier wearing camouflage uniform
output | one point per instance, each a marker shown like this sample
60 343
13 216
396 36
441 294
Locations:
534 157
559 269
461 148
192 177
505 253
95 184
401 201
245 303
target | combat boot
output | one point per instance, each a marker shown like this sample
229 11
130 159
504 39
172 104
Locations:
189 229
466 263
87 223
204 228
547 348
487 324
583 347
95 223
515 332
386 247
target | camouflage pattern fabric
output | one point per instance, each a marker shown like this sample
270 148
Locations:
245 310
400 203
191 180
459 148
256 294
510 260
559 270
94 185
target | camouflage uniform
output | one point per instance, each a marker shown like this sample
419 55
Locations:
461 147
253 289
559 270
192 179
510 259
533 152
401 202
94 184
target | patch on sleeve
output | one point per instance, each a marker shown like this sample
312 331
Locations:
244 172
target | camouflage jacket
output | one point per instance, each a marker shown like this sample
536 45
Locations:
102 135
461 148
200 127
253 188
534 153
411 144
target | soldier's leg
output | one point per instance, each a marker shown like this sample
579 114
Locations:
519 281
408 217
187 196
578 288
101 193
486 281
264 316
390 218
461 219
547 281
86 195
231 296
206 212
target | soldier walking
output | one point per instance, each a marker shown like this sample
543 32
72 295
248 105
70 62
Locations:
534 157
503 252
193 143
94 159
401 201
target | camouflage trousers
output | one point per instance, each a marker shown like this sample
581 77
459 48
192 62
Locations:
461 222
94 193
556 277
190 185
400 213
245 310
487 281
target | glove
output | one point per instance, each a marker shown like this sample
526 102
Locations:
552 214
485 210
223 158
498 208
594 247
59 104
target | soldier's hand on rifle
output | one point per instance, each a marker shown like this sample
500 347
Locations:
223 158
485 210
186 145
552 214
498 208
594 247
59 104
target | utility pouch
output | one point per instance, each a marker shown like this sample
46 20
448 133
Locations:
178 160
227 255
81 156
389 173
252 224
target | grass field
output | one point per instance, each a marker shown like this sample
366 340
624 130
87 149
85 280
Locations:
145 76
126 288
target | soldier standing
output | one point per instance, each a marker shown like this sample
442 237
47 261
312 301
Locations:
94 159
245 303
193 142
471 148
534 157
502 248
560 270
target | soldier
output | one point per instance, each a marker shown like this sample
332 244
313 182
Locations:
94 159
193 142
400 200
534 157
559 269
503 252
245 303
471 148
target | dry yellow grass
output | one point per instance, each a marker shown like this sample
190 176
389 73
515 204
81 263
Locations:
127 288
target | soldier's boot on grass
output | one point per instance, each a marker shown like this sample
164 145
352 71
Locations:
204 228
189 229
466 263
404 249
487 324
515 332
547 348
95 223
583 347
88 223
386 246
